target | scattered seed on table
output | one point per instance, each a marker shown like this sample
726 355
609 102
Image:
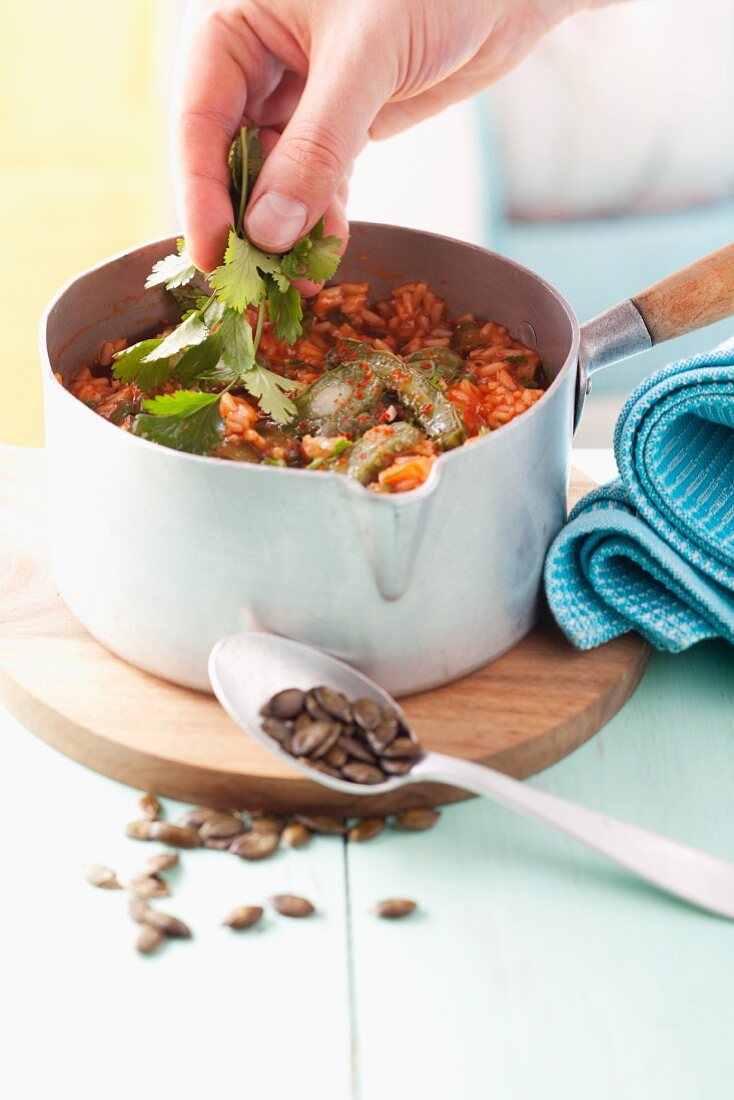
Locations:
218 844
178 836
195 818
147 886
244 916
103 877
221 826
267 823
138 910
150 806
291 905
255 845
139 830
168 925
416 818
149 939
163 861
395 908
323 823
366 829
295 835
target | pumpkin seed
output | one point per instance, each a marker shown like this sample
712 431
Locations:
355 748
195 818
367 714
315 739
322 823
150 806
164 861
319 766
314 709
366 829
217 844
416 818
336 757
244 916
140 830
379 739
168 925
268 823
395 908
138 910
357 772
103 877
290 905
295 835
396 767
286 704
177 836
221 826
334 703
255 845
401 748
148 886
277 729
149 939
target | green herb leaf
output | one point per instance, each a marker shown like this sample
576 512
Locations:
184 421
515 359
268 388
285 311
173 270
131 365
199 362
314 257
238 282
236 346
189 332
189 297
323 259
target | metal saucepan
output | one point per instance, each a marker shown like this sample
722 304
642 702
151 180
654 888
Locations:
159 554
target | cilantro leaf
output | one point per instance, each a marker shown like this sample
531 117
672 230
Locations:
131 365
173 270
268 388
285 311
189 332
188 297
199 362
238 281
184 421
235 342
314 257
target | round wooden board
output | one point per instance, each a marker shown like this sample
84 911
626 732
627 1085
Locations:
519 714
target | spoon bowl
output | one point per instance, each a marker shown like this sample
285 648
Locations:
247 669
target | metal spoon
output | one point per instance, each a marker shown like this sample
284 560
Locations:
247 669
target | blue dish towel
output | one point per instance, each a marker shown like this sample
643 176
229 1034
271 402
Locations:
654 550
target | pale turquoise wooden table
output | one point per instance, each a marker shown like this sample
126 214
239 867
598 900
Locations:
535 969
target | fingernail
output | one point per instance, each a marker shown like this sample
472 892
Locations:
276 220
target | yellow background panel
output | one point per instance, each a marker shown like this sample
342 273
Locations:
83 169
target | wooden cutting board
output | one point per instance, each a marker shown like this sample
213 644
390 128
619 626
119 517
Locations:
520 714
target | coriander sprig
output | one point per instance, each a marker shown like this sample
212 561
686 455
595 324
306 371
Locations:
214 343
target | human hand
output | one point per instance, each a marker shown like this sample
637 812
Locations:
324 76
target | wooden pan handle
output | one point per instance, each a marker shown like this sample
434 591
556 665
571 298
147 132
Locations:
697 296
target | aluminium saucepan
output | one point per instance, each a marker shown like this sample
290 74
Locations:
159 554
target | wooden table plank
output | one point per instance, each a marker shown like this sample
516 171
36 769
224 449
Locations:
539 969
262 1013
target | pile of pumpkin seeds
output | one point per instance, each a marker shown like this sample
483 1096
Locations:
249 835
359 740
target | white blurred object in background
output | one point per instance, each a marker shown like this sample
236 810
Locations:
624 109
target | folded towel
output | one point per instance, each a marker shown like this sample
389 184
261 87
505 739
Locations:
654 551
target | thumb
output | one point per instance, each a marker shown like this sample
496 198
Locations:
306 168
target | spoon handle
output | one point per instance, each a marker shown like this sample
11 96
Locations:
703 879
